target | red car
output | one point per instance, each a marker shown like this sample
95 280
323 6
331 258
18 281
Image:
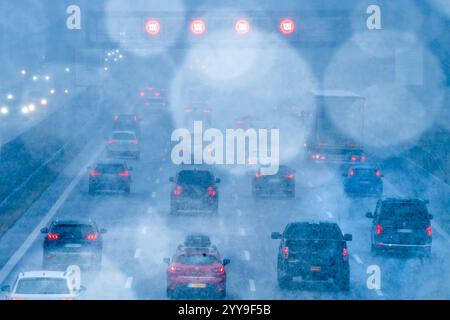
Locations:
196 270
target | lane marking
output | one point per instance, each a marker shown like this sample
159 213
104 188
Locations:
243 232
330 215
12 262
251 284
144 230
137 253
357 258
247 255
129 282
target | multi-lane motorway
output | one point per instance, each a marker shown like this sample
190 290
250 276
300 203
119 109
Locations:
141 232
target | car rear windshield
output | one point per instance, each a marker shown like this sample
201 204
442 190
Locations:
365 172
313 232
110 168
403 212
197 259
123 136
79 231
199 178
42 286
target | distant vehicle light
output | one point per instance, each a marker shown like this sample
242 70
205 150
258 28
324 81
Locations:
124 174
351 173
206 110
23 72
47 78
152 26
25 110
258 175
134 141
52 91
142 93
32 107
44 102
287 26
67 69
188 110
34 78
177 190
378 173
354 158
4 110
66 91
429 231
52 236
111 141
198 27
116 117
242 26
95 173
290 176
345 254
212 192
379 229
10 96
363 158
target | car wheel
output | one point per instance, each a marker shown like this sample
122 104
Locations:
284 282
343 281
91 190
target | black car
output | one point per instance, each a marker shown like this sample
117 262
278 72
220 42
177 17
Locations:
402 226
280 184
110 175
363 181
127 122
313 252
73 242
195 191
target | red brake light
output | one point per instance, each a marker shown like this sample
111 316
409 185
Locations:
134 141
322 157
172 269
177 190
429 231
116 117
290 176
92 236
258 175
351 173
52 236
142 93
345 254
206 110
157 94
354 158
212 192
124 174
363 158
286 252
221 270
378 173
95 173
379 229
187 110
111 141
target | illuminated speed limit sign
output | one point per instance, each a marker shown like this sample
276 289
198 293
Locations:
198 27
287 26
152 27
242 26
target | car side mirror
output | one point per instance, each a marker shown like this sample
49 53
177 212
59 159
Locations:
348 237
218 180
275 235
6 288
44 230
430 216
166 260
226 261
103 231
369 215
171 179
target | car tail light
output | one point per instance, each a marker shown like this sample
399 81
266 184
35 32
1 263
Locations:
290 176
378 173
429 231
172 269
379 229
124 174
206 110
187 110
220 270
177 190
134 141
322 157
92 236
351 173
111 141
286 252
258 175
52 236
363 158
345 254
95 173
212 192
142 93
157 94
354 158
116 117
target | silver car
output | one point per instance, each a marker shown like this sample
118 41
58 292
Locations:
123 144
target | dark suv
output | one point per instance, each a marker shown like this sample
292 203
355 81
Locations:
363 181
401 225
195 191
313 252
73 242
110 175
282 183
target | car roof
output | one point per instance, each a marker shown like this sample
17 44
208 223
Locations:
111 162
42 274
74 222
128 131
362 166
404 200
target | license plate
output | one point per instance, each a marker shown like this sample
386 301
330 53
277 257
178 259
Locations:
404 231
197 285
315 268
73 245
